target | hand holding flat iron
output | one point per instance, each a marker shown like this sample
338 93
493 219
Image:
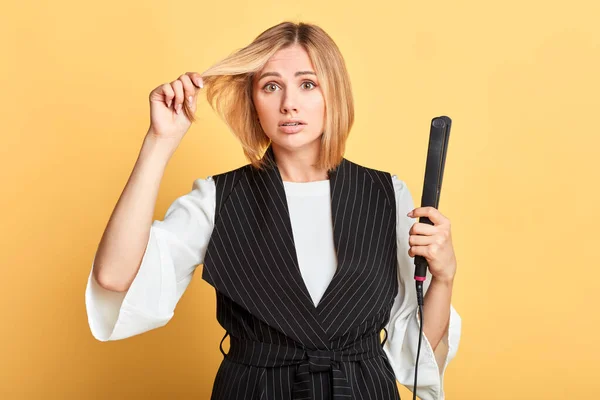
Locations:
433 242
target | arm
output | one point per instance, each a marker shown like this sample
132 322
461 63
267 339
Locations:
436 310
441 322
125 237
434 242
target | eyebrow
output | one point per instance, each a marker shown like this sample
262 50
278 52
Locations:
279 75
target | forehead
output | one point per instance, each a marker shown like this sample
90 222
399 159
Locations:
289 61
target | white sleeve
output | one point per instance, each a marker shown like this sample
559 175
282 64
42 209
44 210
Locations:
403 327
175 248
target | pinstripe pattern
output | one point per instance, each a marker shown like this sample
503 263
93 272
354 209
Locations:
282 346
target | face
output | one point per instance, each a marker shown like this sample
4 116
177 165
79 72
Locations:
287 88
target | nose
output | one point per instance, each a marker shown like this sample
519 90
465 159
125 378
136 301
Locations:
289 103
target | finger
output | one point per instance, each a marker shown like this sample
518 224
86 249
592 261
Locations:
189 90
419 240
418 251
196 78
420 228
178 89
430 212
168 93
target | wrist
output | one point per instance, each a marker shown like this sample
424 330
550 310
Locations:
159 149
442 281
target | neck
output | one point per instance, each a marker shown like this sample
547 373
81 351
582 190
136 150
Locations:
298 165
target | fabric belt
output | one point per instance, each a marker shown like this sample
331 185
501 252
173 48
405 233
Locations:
309 361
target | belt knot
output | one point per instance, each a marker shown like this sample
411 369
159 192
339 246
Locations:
308 361
319 360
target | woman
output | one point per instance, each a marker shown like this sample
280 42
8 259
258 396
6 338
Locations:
309 253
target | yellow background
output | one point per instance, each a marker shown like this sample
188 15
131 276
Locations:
519 80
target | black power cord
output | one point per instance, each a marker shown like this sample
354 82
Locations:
419 285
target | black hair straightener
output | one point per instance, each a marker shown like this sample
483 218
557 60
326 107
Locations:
439 135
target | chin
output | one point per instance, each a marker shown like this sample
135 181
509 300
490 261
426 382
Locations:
295 141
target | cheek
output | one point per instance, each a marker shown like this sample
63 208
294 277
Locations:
266 106
316 106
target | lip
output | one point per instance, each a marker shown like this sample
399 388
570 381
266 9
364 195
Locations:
291 129
290 120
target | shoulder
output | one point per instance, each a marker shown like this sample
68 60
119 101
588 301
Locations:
227 180
384 179
388 181
233 173
223 183
207 187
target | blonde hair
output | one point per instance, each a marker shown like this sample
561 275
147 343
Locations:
228 86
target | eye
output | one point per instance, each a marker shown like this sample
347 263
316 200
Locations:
310 83
269 85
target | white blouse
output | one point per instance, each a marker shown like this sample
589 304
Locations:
178 243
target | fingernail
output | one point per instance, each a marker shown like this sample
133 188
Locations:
200 83
178 108
410 214
190 100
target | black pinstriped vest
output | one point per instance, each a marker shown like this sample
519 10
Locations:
282 346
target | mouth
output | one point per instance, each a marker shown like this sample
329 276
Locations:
293 127
292 123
